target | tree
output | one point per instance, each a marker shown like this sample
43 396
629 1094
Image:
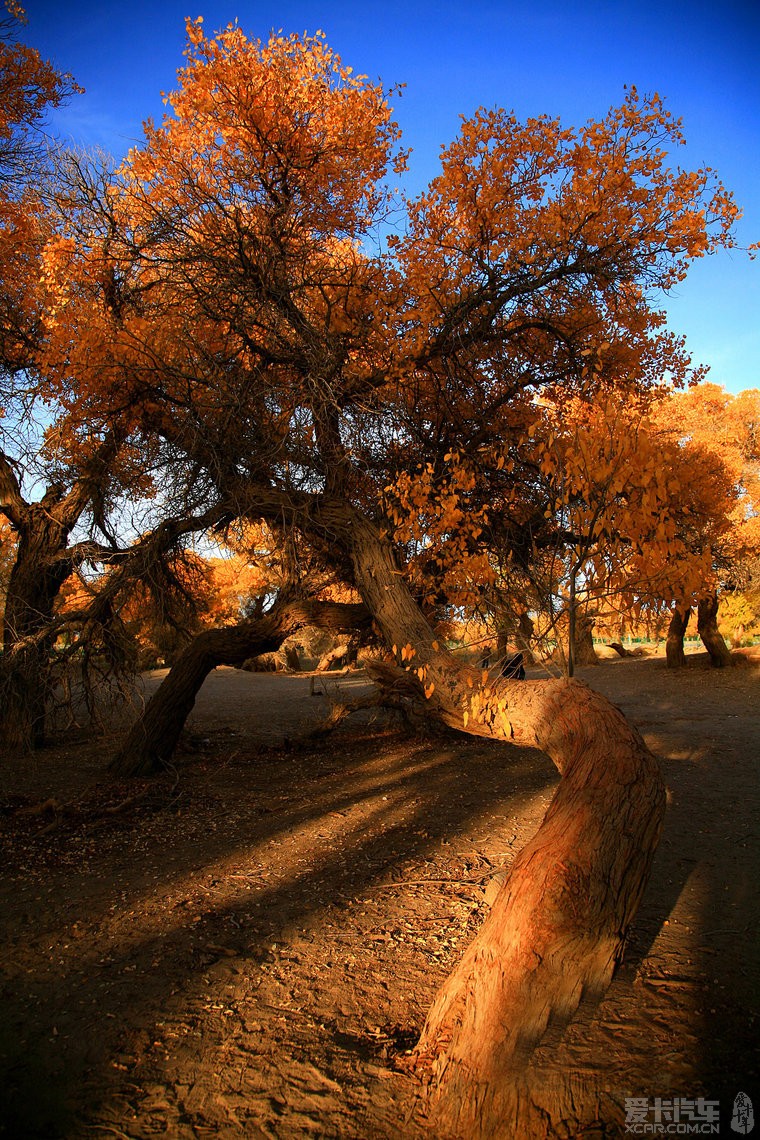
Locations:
59 482
716 436
613 499
28 88
611 522
228 293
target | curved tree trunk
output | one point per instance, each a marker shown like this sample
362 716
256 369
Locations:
152 741
674 653
557 928
712 638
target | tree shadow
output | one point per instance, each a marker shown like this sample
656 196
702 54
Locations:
408 797
436 790
701 900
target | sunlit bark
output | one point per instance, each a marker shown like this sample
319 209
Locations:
557 929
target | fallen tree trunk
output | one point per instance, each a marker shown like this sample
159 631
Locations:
557 929
152 741
334 658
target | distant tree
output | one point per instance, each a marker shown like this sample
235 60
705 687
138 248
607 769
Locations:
716 434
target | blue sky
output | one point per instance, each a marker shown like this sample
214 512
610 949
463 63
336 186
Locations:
570 58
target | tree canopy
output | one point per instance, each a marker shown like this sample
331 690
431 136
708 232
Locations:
251 300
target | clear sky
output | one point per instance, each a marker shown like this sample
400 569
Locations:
570 58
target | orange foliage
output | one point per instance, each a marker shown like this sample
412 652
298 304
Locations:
29 86
224 300
233 585
641 515
723 430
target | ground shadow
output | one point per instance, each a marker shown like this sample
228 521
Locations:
81 984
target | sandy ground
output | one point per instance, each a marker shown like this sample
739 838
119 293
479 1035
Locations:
246 946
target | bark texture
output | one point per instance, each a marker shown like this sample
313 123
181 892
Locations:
152 741
712 638
557 928
43 563
35 582
674 652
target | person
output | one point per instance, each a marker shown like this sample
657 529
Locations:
512 668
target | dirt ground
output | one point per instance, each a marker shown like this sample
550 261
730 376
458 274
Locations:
246 946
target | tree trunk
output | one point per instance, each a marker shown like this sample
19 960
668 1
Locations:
712 638
42 565
335 658
152 741
24 689
575 641
674 653
518 634
525 630
557 928
33 587
585 654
